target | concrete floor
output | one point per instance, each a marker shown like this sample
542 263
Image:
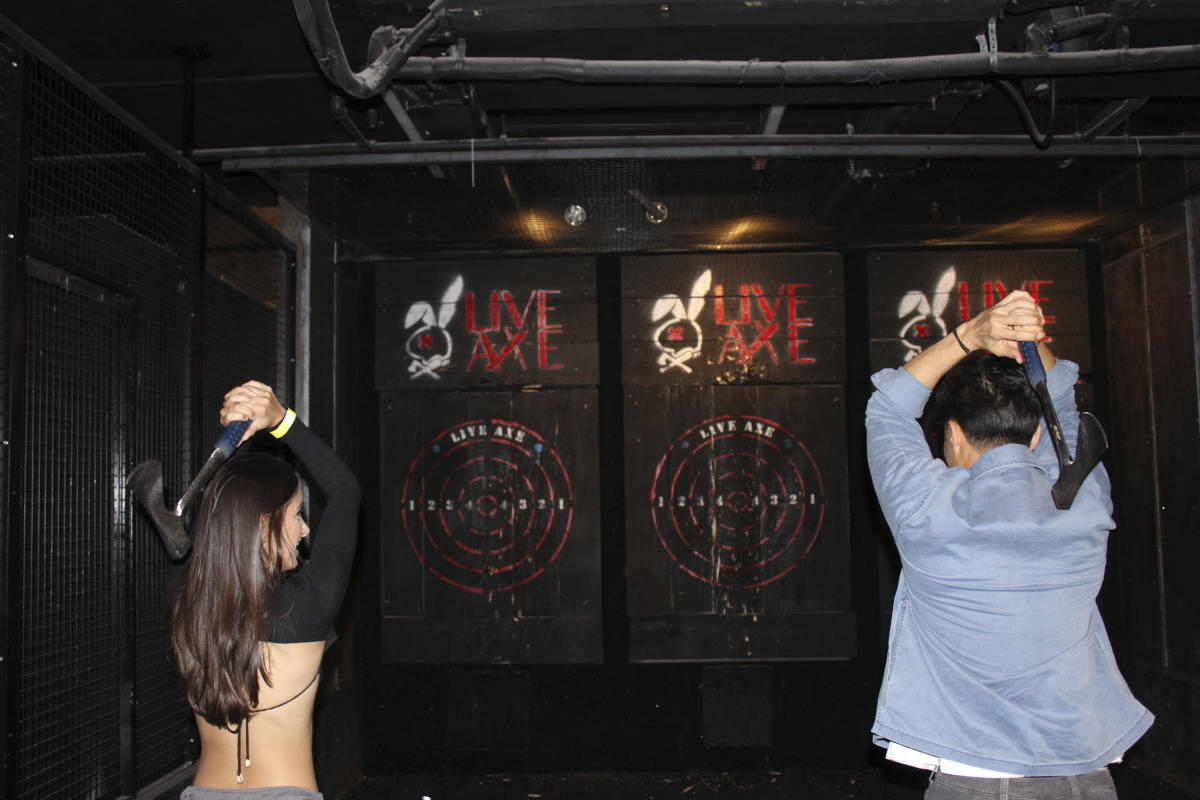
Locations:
890 783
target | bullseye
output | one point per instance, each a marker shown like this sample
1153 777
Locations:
737 501
487 505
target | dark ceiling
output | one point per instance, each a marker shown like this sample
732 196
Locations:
718 116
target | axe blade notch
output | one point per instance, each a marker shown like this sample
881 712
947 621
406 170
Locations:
146 483
1090 443
1089 447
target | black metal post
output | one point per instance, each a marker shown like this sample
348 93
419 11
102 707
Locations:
13 230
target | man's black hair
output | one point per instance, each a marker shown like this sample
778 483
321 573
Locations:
990 398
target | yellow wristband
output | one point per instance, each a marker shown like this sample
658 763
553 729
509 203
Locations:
284 425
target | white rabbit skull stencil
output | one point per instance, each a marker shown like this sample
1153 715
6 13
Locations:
679 338
430 346
924 323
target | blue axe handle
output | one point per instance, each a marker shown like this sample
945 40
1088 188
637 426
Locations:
223 449
1034 370
231 437
1036 373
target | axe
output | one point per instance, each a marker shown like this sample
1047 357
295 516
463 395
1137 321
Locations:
1089 445
146 483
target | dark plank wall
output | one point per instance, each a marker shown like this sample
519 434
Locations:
439 716
1151 597
496 714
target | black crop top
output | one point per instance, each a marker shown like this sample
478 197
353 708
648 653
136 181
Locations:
310 596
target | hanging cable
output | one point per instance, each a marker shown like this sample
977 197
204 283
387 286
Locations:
1042 140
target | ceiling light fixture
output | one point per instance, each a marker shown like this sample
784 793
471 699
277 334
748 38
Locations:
575 215
656 212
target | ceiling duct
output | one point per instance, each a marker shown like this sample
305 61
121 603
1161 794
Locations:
316 21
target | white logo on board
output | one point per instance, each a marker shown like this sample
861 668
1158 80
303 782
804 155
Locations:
430 345
679 338
924 323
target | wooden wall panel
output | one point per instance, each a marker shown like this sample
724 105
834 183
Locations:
737 545
1134 545
764 318
1170 328
490 544
736 539
461 324
1151 283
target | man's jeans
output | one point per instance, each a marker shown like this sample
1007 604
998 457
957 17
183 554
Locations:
1096 785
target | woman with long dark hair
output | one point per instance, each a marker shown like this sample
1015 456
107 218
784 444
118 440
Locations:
249 624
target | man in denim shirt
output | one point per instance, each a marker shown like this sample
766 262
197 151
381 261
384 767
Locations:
1000 677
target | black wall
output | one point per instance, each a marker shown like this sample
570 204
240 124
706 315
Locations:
1151 594
125 275
620 715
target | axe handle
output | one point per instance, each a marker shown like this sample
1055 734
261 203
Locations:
1034 370
231 437
1036 373
223 449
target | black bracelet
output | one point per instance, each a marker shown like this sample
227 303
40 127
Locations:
957 338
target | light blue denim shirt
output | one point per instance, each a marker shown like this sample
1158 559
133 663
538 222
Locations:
997 655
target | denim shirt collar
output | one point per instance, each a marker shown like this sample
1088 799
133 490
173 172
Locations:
1007 455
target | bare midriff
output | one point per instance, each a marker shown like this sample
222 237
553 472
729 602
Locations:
280 739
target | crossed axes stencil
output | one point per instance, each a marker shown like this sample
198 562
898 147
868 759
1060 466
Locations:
679 338
919 328
430 345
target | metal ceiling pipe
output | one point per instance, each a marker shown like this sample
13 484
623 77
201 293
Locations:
509 151
1110 117
316 20
407 125
337 110
780 73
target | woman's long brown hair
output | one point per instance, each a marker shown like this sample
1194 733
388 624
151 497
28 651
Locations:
219 615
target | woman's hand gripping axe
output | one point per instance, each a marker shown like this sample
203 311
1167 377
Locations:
1089 445
147 486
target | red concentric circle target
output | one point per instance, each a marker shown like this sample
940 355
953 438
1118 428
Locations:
737 501
487 505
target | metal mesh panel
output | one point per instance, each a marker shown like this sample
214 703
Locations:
115 209
7 138
104 202
75 516
247 313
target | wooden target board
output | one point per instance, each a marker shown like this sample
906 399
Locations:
733 318
735 468
917 297
737 543
737 501
490 527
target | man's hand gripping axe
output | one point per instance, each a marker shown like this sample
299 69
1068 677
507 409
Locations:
146 483
1089 446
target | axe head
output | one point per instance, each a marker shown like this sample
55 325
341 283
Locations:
147 486
1089 446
